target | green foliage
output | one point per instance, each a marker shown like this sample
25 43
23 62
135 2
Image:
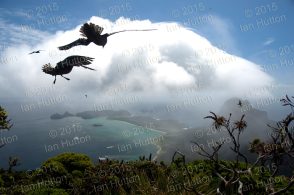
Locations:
133 177
51 191
69 162
56 168
1 181
4 122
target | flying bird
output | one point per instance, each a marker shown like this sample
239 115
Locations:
92 33
66 66
240 103
38 51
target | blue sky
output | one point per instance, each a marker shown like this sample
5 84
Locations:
262 44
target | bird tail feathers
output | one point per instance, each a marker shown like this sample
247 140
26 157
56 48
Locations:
90 30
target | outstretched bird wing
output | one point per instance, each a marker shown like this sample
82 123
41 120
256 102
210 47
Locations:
75 61
129 30
91 31
81 41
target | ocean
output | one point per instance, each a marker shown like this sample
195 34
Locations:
34 141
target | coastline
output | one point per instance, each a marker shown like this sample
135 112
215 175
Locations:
158 145
158 152
161 132
155 130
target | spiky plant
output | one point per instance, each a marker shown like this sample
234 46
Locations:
241 124
218 120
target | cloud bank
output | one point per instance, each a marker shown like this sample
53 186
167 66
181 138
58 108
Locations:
168 66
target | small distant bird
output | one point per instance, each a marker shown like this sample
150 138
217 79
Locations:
92 32
240 103
66 66
86 95
38 51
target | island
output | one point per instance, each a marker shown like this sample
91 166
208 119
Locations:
97 125
57 116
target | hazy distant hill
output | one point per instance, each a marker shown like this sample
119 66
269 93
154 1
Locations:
123 115
257 121
61 116
179 137
93 114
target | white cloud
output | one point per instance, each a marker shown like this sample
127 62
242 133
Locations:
15 12
268 41
170 73
150 64
13 34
